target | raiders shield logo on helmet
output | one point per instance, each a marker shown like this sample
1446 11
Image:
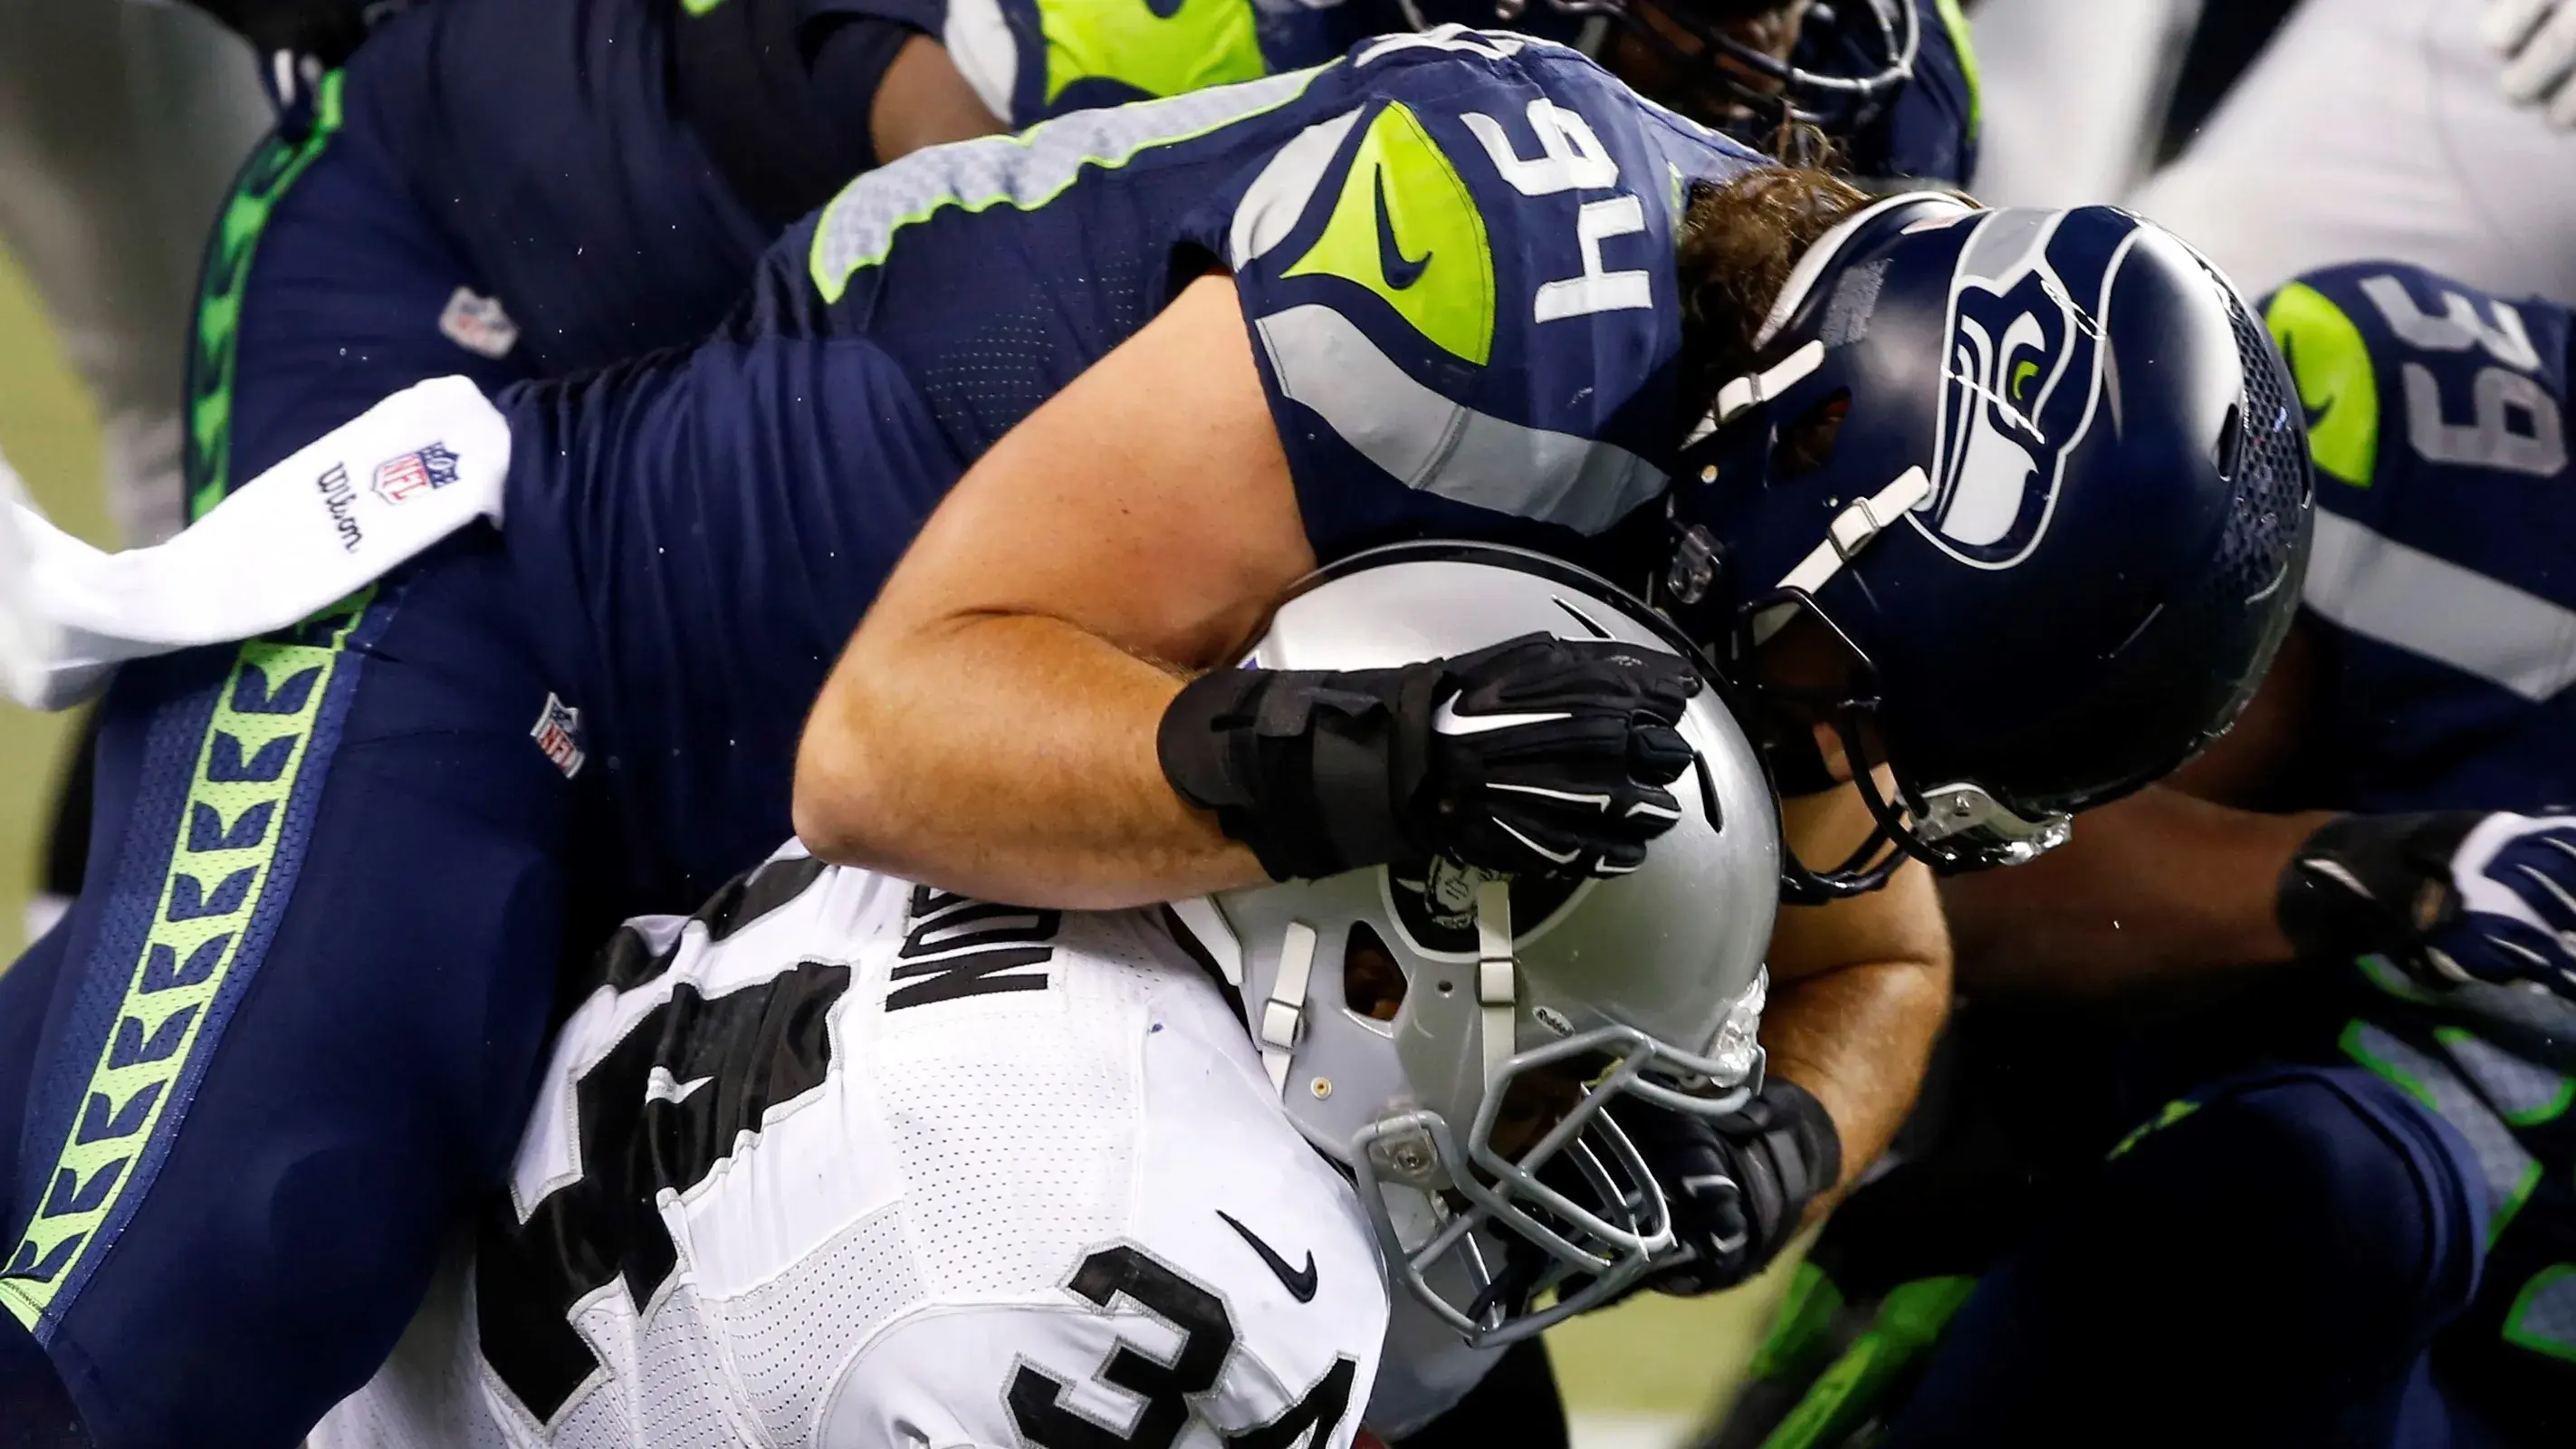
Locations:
1434 905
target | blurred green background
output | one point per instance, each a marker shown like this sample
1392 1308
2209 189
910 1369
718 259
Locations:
1638 1376
50 432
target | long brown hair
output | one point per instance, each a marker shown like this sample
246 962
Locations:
1736 247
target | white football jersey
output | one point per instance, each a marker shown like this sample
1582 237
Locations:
849 1163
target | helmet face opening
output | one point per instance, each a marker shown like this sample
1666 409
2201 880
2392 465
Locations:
1808 683
1484 1224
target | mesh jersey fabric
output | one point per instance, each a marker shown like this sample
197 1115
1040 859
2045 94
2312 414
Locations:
1454 252
1013 1109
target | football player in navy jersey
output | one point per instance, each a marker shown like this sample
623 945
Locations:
507 190
1105 390
2354 1222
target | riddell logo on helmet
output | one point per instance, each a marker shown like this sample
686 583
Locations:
2025 374
1435 905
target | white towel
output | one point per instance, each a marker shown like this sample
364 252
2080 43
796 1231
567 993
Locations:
338 514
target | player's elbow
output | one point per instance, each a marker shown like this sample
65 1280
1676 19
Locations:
838 805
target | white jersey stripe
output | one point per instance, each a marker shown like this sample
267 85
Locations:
2382 589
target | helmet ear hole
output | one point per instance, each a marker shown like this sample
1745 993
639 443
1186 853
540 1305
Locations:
1372 982
2231 441
1806 443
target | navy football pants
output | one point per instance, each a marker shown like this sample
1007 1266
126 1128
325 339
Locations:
294 1015
297 1009
2268 1269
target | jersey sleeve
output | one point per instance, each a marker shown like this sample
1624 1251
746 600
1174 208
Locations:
2437 422
1033 59
1461 292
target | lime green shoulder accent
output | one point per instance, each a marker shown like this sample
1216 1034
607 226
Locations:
1955 21
2336 384
857 227
1201 43
1407 228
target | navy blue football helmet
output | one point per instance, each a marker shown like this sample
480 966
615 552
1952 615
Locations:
2038 479
1851 59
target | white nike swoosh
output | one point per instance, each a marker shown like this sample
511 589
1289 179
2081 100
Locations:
661 1086
1597 802
1560 857
1448 721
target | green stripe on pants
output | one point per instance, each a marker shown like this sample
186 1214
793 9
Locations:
264 179
254 752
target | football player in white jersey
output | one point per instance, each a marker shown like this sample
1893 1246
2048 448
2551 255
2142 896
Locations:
2386 128
844 1160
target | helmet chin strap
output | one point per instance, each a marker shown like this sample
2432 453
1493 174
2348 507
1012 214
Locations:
1497 983
1850 531
1734 399
1285 1011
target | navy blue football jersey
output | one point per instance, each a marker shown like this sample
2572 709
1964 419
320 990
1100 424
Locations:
1454 251
1034 59
2445 567
2443 587
1930 133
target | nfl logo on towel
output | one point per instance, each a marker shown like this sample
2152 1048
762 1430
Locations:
423 471
558 734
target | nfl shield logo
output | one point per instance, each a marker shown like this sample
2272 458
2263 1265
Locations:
558 734
423 471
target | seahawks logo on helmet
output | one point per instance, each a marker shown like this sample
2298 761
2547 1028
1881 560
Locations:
2024 376
1434 905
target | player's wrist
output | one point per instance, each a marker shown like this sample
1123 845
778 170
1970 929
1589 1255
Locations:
1302 767
2364 885
1803 1149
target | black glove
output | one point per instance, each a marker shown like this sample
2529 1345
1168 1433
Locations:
1738 1185
1536 755
2451 896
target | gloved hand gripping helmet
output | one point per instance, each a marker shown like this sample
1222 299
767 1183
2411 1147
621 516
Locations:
2057 536
1451 1037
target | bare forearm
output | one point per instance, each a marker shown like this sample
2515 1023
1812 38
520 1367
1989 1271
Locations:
1059 740
1858 1036
1862 987
2158 891
991 728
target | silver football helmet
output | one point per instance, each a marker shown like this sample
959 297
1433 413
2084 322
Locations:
1451 1036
